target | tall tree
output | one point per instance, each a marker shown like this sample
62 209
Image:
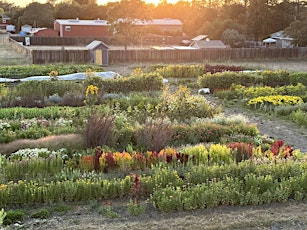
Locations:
38 15
233 38
298 30
65 10
123 16
257 23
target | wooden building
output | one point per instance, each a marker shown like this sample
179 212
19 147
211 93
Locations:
81 28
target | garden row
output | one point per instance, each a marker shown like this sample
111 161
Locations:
282 93
171 185
163 144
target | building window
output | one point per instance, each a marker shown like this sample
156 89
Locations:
67 28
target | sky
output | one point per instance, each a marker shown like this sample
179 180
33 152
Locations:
24 3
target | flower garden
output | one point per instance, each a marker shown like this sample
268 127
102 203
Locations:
143 141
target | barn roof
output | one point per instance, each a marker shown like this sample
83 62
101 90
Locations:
76 21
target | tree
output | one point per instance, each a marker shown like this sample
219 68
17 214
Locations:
65 10
298 30
216 28
38 15
123 17
233 38
257 23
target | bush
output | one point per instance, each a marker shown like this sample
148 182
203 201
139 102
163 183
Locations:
286 110
41 214
99 131
13 216
296 77
43 70
36 93
181 105
299 117
221 68
224 80
276 78
154 135
142 82
209 132
181 71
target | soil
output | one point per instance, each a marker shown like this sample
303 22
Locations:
275 216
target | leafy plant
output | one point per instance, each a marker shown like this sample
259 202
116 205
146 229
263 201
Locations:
2 216
108 212
41 214
14 216
135 208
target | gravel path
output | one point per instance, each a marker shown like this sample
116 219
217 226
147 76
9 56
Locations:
270 125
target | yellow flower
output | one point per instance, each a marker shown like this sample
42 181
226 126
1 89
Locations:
3 186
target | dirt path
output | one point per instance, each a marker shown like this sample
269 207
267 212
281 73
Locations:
276 216
270 125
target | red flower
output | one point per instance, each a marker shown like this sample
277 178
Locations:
275 147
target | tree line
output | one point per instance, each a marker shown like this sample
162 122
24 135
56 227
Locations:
233 21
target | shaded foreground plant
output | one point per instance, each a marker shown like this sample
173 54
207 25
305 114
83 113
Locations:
99 131
155 135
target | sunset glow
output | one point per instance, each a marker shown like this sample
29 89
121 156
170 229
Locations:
155 2
23 3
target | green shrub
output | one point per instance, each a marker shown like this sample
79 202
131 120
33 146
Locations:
35 93
199 153
297 77
299 117
142 82
41 214
224 80
219 154
14 216
43 70
181 71
209 132
135 209
181 105
288 109
53 112
276 78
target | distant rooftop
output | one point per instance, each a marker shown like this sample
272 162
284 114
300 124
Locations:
99 22
77 21
199 37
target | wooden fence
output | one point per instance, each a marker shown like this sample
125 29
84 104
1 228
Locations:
130 56
167 56
61 41
83 41
60 56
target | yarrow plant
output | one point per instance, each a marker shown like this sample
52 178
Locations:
265 102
